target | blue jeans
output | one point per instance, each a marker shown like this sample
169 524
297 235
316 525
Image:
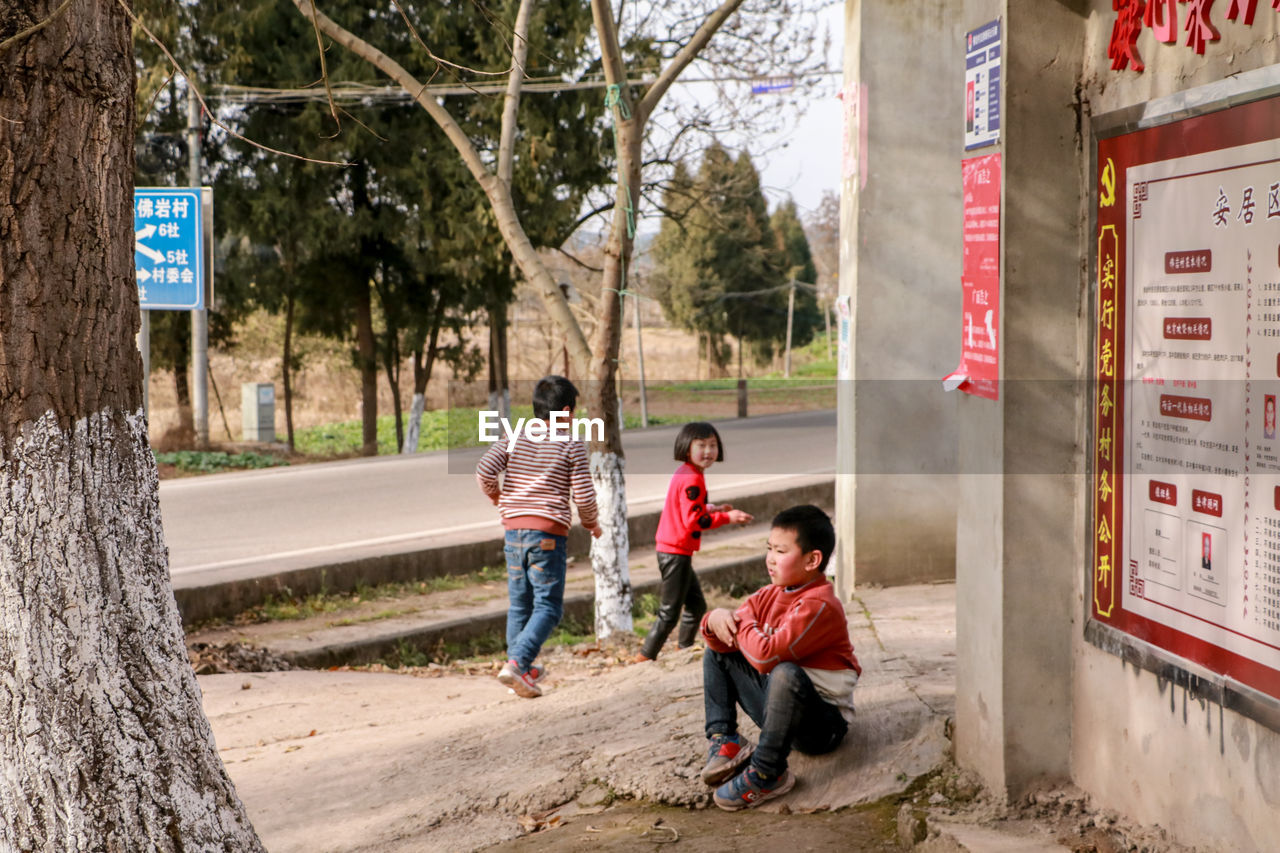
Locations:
784 704
535 587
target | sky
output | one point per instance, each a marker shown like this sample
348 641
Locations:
804 161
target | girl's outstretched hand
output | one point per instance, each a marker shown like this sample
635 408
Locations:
737 516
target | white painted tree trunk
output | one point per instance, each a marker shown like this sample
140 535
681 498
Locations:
609 553
105 745
415 424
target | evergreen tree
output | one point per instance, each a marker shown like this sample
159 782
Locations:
796 262
723 266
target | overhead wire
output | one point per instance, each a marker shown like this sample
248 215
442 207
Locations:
352 92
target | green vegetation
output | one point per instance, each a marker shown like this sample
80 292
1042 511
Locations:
213 461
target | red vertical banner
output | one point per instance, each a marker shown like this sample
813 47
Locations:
1107 429
979 369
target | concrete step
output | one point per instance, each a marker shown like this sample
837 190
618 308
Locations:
730 556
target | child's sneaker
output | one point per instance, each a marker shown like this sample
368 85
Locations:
537 673
725 756
523 683
749 789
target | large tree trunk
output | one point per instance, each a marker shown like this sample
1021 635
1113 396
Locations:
102 736
609 553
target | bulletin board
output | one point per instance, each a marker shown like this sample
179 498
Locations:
1185 460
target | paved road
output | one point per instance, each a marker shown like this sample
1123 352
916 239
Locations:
249 522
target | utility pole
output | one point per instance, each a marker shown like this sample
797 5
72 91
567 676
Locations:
199 317
791 310
826 316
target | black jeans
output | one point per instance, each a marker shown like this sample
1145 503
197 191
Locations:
784 704
680 589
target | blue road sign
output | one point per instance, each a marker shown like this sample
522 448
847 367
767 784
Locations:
765 85
168 248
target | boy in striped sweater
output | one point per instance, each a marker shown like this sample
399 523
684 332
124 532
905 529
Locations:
538 479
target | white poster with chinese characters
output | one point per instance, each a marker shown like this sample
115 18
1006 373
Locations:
1202 495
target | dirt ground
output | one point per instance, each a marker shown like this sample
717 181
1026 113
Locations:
443 757
636 828
606 760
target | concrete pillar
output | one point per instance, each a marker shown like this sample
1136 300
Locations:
900 267
1019 528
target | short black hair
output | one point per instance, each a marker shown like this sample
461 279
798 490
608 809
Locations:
812 528
691 432
553 394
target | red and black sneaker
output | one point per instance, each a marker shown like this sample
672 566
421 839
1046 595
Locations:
749 789
523 683
725 756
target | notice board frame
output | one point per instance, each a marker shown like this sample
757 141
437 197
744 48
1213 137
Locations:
1203 670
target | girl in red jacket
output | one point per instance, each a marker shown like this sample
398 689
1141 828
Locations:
685 516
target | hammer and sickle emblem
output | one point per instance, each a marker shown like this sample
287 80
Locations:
1108 195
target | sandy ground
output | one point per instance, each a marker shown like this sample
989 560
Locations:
451 761
443 758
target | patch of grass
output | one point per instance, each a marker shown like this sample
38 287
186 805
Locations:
213 461
644 605
571 632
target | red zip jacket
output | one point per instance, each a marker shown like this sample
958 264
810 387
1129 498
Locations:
684 515
805 624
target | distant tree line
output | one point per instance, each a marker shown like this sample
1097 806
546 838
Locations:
725 268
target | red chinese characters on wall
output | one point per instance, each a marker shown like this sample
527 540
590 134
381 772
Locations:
1161 17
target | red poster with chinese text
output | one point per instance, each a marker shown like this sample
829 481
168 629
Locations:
1186 368
979 369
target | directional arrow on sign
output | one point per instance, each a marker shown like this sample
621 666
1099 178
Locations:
144 275
139 236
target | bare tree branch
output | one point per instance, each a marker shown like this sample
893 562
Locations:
324 76
199 97
571 256
685 56
511 105
32 30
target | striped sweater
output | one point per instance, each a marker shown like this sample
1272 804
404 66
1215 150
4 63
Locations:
540 477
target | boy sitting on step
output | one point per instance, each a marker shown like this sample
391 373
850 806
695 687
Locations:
785 657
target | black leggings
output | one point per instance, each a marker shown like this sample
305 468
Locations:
680 589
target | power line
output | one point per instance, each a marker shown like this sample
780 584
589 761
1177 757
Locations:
361 93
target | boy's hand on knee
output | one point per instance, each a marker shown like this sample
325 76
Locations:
724 625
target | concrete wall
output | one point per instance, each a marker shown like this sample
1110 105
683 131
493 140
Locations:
900 263
1035 700
1018 533
1143 744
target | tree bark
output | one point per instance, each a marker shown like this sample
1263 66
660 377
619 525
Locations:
287 368
499 385
368 359
103 739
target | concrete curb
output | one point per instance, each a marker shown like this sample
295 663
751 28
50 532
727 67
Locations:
580 606
225 599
